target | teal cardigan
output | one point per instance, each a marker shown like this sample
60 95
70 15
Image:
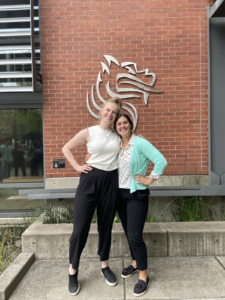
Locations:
142 153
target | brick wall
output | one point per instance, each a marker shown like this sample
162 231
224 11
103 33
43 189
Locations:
168 37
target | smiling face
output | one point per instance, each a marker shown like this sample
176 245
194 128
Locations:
109 113
123 127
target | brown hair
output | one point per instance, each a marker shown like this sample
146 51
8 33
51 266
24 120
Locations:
125 116
115 100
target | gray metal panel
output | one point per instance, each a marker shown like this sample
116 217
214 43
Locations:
209 103
34 72
208 190
73 190
21 98
15 214
223 179
15 7
21 185
16 89
217 96
16 41
14 20
47 191
15 33
26 61
15 47
50 196
205 190
189 187
16 75
15 106
213 190
218 9
174 193
215 179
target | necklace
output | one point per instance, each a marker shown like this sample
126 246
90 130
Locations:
106 131
107 135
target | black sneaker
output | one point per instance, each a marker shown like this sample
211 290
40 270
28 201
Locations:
141 287
129 271
109 276
74 286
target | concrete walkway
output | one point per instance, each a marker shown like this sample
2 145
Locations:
171 278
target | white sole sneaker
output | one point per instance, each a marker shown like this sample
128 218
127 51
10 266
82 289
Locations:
123 276
109 283
139 295
74 294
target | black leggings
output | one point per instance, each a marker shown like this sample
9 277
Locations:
97 188
132 212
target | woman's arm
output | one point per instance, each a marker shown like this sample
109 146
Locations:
156 157
79 139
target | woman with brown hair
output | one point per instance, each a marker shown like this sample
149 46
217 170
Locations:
132 205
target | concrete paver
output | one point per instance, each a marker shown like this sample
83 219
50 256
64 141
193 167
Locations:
181 278
172 278
221 260
48 280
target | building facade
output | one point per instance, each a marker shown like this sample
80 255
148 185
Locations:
76 54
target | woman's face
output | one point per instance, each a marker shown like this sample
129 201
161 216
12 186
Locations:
109 113
123 127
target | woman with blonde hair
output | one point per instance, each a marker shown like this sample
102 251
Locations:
98 187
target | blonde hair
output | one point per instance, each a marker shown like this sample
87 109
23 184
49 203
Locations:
115 100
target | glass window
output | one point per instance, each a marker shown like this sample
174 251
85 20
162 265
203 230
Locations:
11 201
21 146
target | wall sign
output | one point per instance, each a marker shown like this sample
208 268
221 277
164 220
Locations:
141 87
59 163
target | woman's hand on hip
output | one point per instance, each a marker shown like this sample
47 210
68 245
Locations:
84 168
143 180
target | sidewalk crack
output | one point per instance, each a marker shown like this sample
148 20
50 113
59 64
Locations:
220 262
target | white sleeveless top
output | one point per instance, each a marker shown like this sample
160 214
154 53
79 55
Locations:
104 146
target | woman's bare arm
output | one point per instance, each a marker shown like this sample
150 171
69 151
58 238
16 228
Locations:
81 138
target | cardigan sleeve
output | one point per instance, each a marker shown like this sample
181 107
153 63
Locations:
148 150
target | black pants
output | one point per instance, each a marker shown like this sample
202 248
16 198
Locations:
97 188
22 166
133 211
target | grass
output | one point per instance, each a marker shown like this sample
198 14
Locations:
57 215
157 211
9 235
191 209
10 240
188 178
64 214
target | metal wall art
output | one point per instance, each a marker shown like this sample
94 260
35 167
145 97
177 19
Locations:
132 80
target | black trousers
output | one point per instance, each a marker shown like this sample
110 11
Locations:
97 188
133 211
22 166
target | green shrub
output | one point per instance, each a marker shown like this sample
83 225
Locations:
9 235
59 214
191 209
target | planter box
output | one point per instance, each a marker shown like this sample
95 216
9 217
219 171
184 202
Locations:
162 239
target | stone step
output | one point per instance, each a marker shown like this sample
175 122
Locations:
13 275
51 241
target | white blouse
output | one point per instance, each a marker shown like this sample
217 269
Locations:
124 157
103 146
